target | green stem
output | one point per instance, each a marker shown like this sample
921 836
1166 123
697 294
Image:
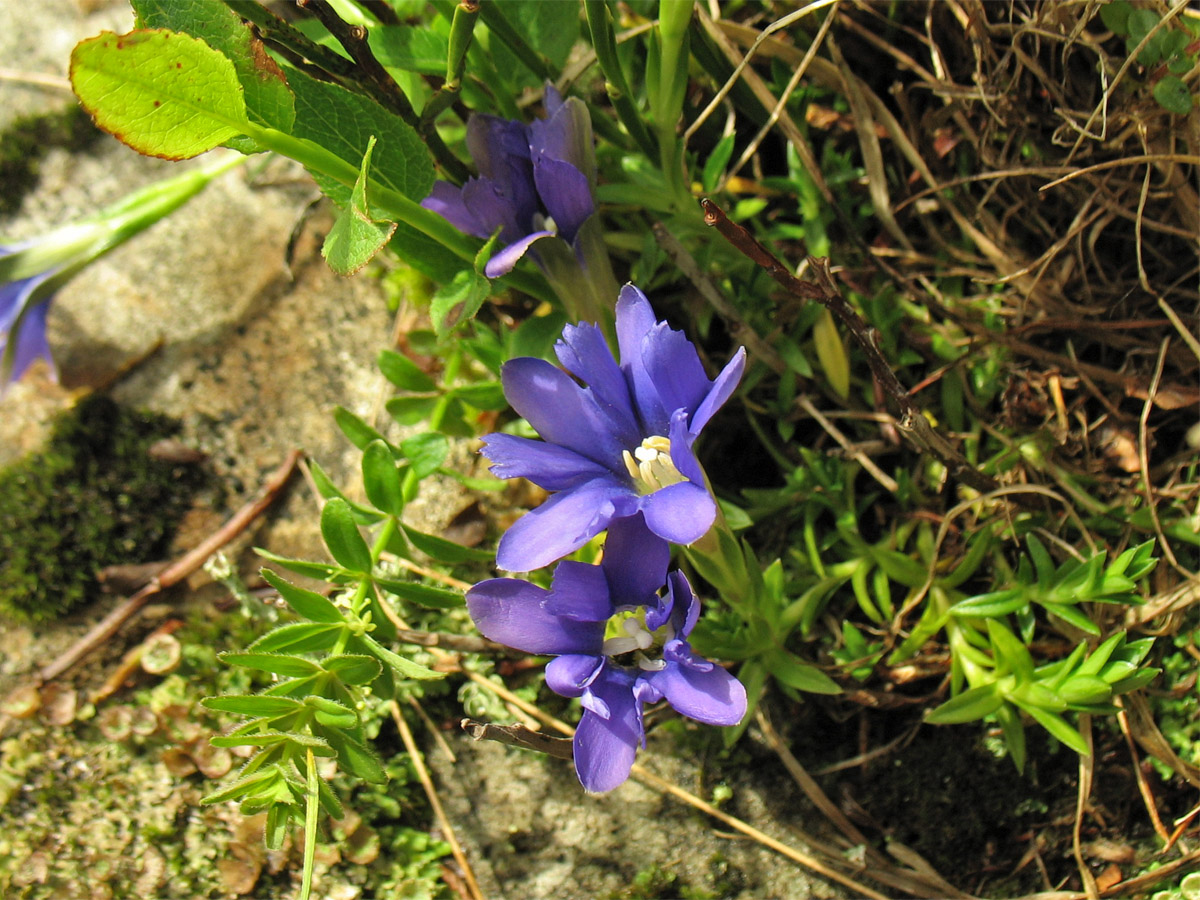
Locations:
605 44
310 826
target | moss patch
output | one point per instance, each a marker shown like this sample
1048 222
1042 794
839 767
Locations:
93 497
28 139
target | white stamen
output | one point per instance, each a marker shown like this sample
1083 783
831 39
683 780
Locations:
650 465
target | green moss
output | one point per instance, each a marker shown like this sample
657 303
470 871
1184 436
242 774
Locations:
28 139
93 497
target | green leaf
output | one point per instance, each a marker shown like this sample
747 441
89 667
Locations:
358 432
342 537
257 705
1115 16
301 637
458 301
353 757
422 594
279 818
249 784
789 669
1073 616
363 515
410 410
411 48
716 162
332 714
353 668
164 94
1009 649
381 478
968 706
403 372
1043 564
443 550
1099 657
1014 734
832 353
300 742
1057 726
996 603
275 663
318 570
356 235
405 667
1173 95
1085 689
268 100
308 604
489 396
344 123
426 452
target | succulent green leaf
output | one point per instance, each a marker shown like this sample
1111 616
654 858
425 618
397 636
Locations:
1099 657
1085 689
1057 726
342 537
968 706
1073 616
308 604
163 93
994 603
1010 652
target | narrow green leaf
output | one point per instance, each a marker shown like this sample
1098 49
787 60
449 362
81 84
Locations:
353 757
1057 726
363 515
1014 734
309 604
318 570
353 668
995 603
273 738
422 594
1099 657
358 432
1085 689
1009 649
253 705
968 706
274 663
164 94
832 353
403 372
714 166
381 478
410 410
789 669
345 543
402 666
247 785
302 637
1138 680
1073 616
443 550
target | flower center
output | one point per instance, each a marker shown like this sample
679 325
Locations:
627 633
650 466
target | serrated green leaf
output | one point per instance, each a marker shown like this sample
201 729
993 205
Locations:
381 478
422 594
275 663
163 93
968 706
342 537
268 99
253 705
344 123
353 668
443 550
403 372
411 48
301 637
308 604
357 235
300 742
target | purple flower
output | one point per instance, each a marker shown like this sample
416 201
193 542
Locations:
535 181
619 445
23 306
569 621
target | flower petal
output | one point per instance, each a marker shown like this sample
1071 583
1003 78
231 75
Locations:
569 675
497 146
492 207
504 261
635 562
549 466
561 411
682 456
605 748
565 193
685 605
447 201
514 613
585 353
580 591
714 697
674 368
635 319
562 525
721 389
679 513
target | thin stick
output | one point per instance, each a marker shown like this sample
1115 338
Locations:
1086 769
414 754
177 571
912 422
1143 785
519 736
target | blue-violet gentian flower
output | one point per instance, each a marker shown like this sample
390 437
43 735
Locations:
536 184
619 444
648 660
24 303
